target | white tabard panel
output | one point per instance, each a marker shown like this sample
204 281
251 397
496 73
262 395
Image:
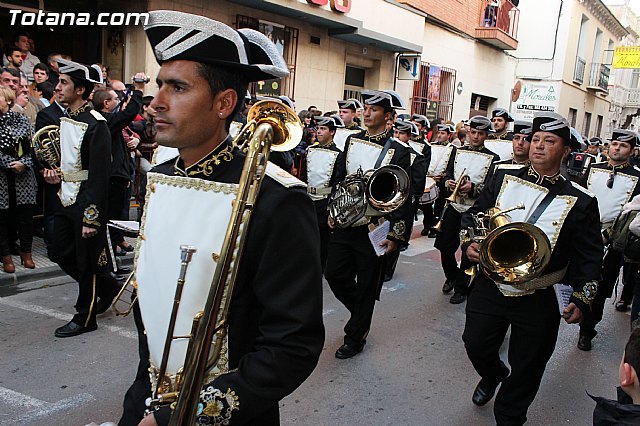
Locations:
417 146
364 154
164 153
179 211
440 156
320 163
477 165
71 135
611 200
501 147
515 191
341 137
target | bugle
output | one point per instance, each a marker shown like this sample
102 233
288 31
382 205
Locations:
450 199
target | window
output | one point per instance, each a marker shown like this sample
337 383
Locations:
597 48
587 124
286 40
598 126
434 92
354 76
573 116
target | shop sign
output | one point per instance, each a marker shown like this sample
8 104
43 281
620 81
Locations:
537 96
339 6
626 57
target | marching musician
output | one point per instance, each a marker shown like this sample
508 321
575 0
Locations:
403 131
80 237
354 271
470 167
348 111
500 118
568 216
614 183
442 151
521 145
324 170
275 331
594 150
423 126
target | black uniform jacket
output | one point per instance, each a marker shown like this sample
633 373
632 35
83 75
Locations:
579 244
121 162
475 188
399 229
95 153
276 332
419 170
337 175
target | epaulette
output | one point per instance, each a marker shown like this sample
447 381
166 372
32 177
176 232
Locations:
582 188
509 166
97 115
283 177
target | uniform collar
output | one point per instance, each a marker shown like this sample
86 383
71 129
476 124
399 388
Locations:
524 163
351 126
541 180
472 148
78 111
207 164
617 168
378 137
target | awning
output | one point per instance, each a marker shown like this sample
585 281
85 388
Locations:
339 26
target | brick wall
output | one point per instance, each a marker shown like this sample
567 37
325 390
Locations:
461 14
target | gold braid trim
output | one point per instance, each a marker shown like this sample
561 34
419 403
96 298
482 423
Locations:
588 293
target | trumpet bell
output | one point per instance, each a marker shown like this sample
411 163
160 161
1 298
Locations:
515 253
287 127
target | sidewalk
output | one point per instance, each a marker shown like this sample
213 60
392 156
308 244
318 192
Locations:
45 268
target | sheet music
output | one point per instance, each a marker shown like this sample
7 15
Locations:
377 236
563 293
126 225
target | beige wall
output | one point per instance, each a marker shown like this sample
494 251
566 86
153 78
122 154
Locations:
320 69
572 97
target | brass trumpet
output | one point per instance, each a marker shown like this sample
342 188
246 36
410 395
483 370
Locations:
451 199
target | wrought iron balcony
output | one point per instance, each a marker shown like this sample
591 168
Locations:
499 24
599 78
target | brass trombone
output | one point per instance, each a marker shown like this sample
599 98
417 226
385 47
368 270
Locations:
121 298
451 199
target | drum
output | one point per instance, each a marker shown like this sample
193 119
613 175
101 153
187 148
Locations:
431 192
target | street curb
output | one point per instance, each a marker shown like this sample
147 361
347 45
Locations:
42 273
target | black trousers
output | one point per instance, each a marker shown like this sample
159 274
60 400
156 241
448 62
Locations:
534 320
611 265
325 232
85 260
118 189
354 273
51 205
448 242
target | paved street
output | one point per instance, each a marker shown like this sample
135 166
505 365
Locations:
413 371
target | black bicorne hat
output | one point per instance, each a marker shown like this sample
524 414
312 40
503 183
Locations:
90 73
406 126
183 36
422 119
522 127
332 122
501 112
445 128
624 135
383 98
553 123
480 122
350 103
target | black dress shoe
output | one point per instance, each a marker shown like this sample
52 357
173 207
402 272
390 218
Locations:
123 270
486 388
584 342
432 234
71 329
448 286
457 298
347 351
424 232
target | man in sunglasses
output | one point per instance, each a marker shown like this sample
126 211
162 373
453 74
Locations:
614 183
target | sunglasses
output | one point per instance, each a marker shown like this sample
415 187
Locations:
612 175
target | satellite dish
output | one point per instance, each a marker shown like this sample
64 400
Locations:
515 92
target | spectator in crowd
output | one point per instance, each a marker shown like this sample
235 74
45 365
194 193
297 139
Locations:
106 101
634 160
14 57
26 104
44 92
626 409
28 59
105 73
10 78
18 186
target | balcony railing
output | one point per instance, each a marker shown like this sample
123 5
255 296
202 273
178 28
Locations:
599 78
578 72
499 24
632 98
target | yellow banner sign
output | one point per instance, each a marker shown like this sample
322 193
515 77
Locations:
626 57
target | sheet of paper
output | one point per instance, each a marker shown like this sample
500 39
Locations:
377 236
563 293
127 225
